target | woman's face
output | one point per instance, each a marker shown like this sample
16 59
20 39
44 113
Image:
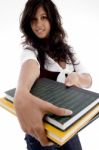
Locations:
40 24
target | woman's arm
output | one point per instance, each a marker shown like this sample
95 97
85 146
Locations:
29 73
30 109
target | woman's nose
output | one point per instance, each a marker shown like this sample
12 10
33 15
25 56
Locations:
39 22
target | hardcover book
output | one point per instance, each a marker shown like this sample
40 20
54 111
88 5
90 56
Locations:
80 101
61 137
53 133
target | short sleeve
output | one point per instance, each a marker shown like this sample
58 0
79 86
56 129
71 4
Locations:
79 67
29 53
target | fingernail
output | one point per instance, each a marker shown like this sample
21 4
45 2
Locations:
68 112
50 144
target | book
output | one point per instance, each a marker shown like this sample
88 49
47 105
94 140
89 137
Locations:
56 135
8 105
9 94
80 101
61 137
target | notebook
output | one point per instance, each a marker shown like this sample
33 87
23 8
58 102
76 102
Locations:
80 101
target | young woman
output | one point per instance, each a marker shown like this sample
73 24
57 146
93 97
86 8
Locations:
46 54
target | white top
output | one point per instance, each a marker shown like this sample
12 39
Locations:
31 53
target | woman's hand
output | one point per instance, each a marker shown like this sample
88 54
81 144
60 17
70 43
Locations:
72 79
31 110
80 80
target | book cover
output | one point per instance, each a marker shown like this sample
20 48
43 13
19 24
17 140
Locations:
9 94
76 99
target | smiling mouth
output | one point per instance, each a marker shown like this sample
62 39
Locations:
40 30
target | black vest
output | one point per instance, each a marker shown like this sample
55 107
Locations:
48 74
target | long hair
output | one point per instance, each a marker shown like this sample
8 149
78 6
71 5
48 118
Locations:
56 46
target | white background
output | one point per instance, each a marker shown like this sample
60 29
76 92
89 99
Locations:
81 21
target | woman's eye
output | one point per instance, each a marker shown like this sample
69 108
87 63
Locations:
44 17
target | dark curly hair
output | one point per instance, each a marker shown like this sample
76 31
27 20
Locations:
56 46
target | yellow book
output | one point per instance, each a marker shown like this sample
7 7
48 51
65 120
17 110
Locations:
58 136
8 105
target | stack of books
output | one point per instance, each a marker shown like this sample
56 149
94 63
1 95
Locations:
83 103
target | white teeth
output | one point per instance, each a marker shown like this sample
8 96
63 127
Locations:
40 30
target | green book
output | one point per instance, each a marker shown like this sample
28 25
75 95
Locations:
80 101
53 133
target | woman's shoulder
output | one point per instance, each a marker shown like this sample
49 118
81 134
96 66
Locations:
29 52
30 48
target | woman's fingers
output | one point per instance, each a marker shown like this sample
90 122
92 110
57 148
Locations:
72 79
41 136
58 111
